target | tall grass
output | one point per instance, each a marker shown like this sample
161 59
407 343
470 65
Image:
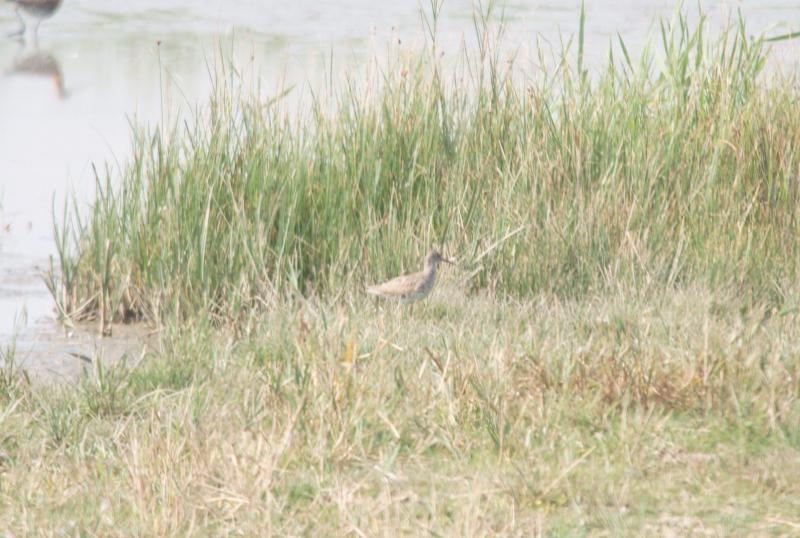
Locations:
648 173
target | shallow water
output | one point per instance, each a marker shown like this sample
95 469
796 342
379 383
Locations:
68 97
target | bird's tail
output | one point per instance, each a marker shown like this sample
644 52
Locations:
371 290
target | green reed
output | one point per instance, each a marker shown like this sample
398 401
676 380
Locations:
671 168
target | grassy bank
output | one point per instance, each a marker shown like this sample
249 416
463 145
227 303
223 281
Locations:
675 416
616 352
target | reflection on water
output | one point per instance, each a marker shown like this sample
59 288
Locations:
108 52
38 63
31 61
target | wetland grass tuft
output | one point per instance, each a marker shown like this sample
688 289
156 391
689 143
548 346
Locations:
639 176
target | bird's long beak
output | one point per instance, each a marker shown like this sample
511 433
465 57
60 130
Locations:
451 261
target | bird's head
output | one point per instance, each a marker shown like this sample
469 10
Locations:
434 257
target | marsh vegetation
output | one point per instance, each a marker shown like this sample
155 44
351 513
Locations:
616 353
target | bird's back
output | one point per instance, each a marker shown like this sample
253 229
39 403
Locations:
405 287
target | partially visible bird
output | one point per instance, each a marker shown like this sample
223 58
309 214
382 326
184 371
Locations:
40 64
413 287
38 9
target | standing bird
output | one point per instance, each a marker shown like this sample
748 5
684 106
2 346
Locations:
38 9
413 287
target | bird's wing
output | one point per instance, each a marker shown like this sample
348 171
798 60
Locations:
396 287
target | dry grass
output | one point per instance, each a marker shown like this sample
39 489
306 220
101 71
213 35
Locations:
674 412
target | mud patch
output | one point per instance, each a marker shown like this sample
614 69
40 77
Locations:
52 354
